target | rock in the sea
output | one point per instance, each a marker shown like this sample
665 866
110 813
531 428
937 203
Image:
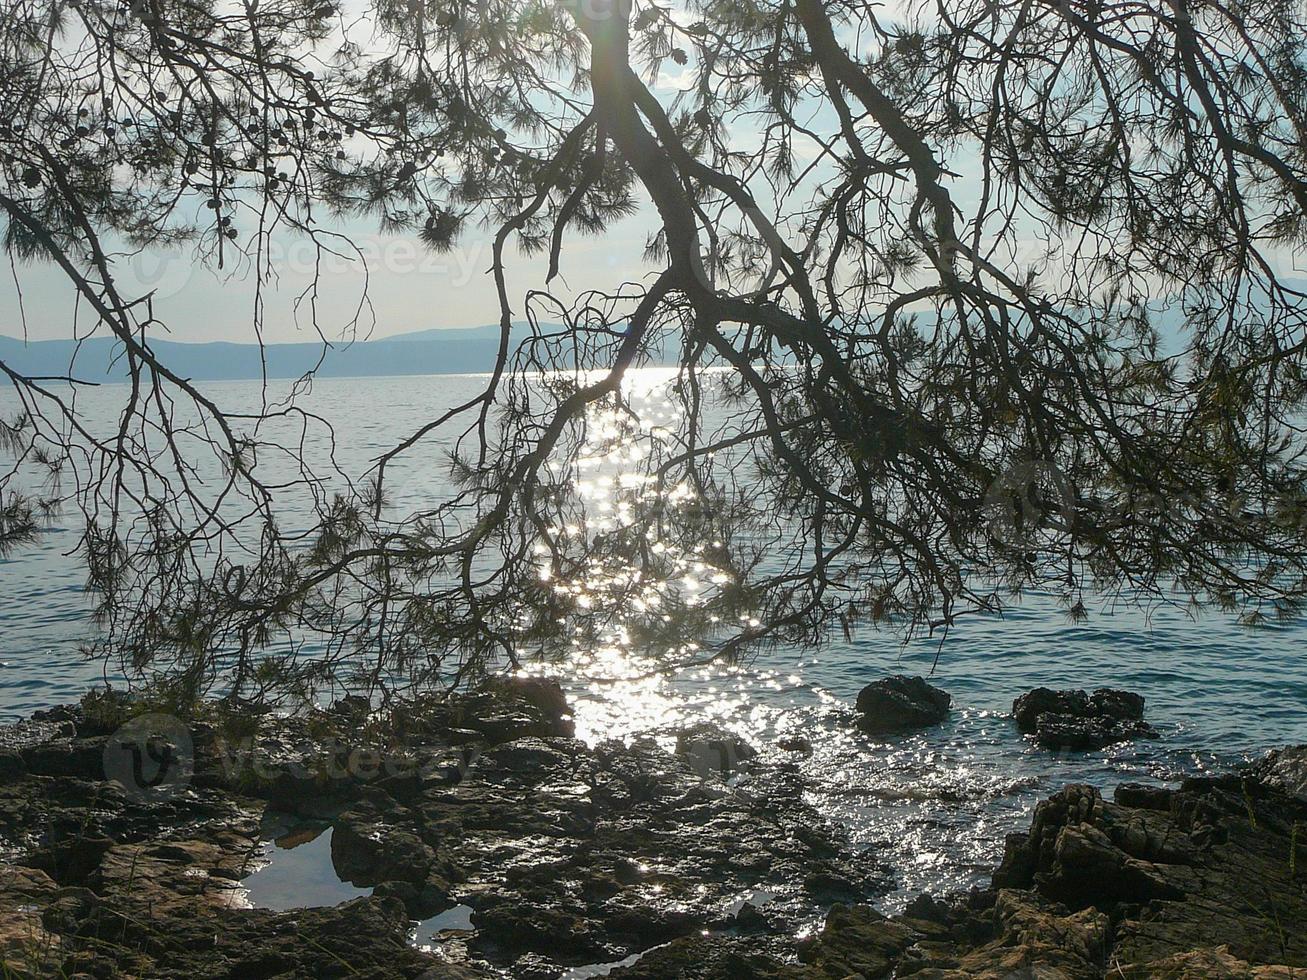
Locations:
1183 884
1286 770
1212 873
901 703
1079 721
795 743
712 750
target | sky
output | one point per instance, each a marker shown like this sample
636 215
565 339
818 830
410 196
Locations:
408 288
400 287
404 288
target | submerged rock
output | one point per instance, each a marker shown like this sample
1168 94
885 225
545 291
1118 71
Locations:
795 743
901 703
1079 721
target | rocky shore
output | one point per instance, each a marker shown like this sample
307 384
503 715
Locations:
651 861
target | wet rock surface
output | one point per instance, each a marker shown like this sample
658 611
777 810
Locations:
901 703
585 856
565 854
713 751
561 855
1205 880
1080 721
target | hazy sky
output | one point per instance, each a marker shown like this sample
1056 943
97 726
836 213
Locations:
409 288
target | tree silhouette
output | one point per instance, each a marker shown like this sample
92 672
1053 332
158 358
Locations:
987 296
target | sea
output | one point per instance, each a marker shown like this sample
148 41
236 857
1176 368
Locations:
935 805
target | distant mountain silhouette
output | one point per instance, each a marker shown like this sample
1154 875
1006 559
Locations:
444 334
464 350
459 351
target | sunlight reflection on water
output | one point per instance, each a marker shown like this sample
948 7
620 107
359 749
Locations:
934 805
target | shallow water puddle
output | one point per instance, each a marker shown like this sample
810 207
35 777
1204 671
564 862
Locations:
603 969
428 932
757 898
299 873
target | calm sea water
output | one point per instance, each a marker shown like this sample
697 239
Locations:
936 805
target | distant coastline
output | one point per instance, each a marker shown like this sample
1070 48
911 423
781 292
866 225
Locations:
99 359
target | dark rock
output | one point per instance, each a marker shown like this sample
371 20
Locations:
296 776
712 750
69 909
1079 721
364 939
717 957
533 966
33 733
901 703
502 710
59 714
831 887
101 711
1088 734
512 927
175 878
750 918
1028 708
1123 705
927 908
27 948
453 971
795 743
422 901
546 695
1017 869
82 758
70 861
1285 770
11 764
1143 797
353 708
498 727
372 843
858 941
